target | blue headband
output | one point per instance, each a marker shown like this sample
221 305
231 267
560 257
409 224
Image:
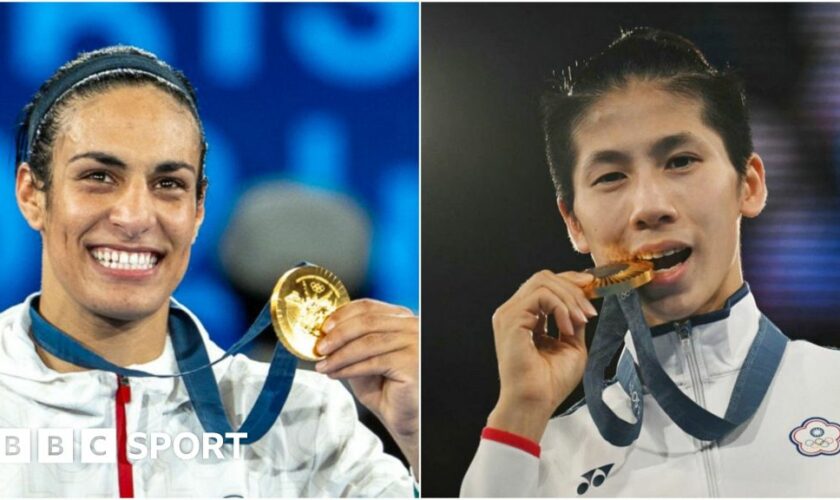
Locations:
93 67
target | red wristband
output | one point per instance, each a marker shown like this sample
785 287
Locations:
511 439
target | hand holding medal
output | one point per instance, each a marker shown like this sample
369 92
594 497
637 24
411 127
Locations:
302 300
538 371
371 343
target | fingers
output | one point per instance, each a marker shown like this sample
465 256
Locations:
364 348
580 279
568 284
396 366
554 303
366 306
364 317
542 325
365 337
547 293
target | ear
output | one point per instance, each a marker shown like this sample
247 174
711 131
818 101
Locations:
31 200
753 188
576 235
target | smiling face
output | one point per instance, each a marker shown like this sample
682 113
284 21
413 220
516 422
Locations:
122 211
652 181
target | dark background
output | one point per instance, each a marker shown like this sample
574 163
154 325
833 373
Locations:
489 213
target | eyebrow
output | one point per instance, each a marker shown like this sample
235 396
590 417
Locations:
104 158
606 156
668 143
660 148
112 161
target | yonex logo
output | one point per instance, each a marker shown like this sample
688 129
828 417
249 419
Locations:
594 478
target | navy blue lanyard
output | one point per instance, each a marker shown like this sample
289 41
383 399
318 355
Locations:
195 368
622 312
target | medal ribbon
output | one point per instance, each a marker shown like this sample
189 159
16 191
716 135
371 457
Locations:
195 368
622 312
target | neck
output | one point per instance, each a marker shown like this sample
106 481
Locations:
677 308
122 342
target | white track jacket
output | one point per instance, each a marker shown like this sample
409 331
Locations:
790 447
317 447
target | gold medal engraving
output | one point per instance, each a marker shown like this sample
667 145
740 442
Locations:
302 300
617 277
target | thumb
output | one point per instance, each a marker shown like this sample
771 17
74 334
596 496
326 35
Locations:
579 279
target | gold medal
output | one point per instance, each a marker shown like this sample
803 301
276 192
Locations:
302 300
617 277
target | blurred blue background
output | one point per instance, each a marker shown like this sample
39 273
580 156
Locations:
320 97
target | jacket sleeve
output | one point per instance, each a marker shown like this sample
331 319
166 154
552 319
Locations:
499 470
349 459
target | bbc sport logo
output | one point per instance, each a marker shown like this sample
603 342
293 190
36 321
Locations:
100 445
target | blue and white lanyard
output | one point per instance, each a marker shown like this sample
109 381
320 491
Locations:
622 312
194 367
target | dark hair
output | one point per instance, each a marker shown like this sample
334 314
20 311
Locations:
38 153
648 54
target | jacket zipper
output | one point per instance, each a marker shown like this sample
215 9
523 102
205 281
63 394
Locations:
125 475
684 331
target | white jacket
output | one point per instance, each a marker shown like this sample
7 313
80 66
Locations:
317 447
788 448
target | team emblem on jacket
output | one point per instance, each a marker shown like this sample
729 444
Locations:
595 478
816 436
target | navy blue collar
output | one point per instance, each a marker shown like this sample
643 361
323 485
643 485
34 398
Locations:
705 318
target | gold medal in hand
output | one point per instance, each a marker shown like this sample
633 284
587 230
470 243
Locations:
302 300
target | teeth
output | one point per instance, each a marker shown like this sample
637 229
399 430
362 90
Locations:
115 259
657 255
